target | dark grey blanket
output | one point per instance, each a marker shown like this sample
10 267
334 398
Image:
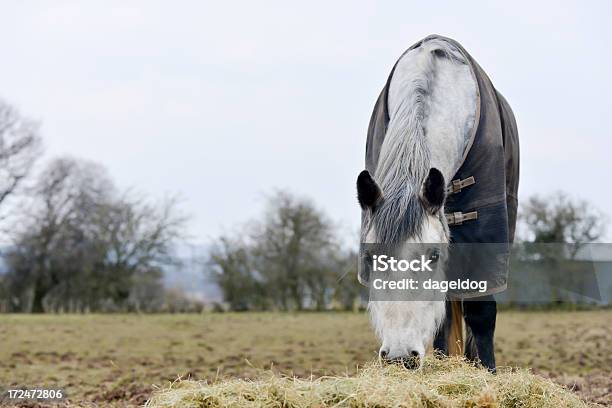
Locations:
484 211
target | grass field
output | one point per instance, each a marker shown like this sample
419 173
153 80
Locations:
119 359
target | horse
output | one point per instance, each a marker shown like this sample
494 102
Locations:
442 166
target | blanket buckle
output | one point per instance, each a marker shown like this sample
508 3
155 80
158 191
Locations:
457 218
457 185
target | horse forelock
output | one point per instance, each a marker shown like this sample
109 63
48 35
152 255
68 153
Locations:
402 167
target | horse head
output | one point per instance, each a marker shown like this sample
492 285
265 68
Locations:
405 327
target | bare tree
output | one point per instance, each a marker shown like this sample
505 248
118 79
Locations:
20 146
139 238
85 246
290 259
44 252
556 228
231 264
294 244
558 218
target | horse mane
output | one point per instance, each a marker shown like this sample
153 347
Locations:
404 159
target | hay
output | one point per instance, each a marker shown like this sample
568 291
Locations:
441 383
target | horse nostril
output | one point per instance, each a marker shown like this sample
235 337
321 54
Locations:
411 364
383 354
413 361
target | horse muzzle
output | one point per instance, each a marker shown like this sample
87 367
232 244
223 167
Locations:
410 362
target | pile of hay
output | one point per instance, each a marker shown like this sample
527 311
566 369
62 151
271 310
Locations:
441 383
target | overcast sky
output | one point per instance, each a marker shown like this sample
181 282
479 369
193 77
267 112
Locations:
221 102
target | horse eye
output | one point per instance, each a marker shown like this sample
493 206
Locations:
434 254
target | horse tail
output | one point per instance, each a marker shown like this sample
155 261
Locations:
455 336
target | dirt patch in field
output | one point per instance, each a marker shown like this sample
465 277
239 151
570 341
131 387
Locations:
595 387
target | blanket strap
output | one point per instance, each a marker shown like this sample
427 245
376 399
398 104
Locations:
457 218
458 184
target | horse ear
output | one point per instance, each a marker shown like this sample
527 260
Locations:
368 192
434 190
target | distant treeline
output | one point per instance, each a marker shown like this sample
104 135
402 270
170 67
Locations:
74 242
291 258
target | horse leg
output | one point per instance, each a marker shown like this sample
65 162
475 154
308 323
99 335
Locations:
480 316
440 343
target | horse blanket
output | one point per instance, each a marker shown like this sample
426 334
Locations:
481 206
